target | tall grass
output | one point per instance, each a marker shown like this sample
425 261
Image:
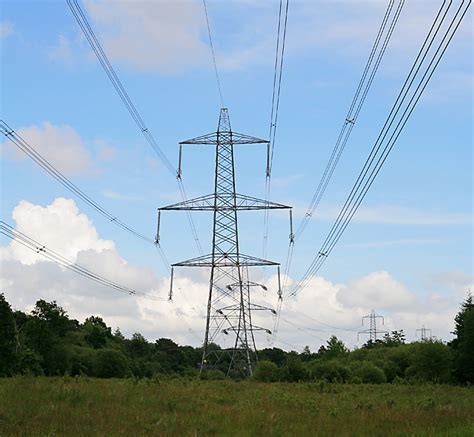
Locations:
83 406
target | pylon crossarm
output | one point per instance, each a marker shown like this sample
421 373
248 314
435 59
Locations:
226 202
216 138
225 260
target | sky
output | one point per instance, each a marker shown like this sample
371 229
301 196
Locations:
407 254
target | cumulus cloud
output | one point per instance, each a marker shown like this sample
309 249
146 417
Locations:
60 145
322 309
377 290
160 36
26 276
325 308
60 225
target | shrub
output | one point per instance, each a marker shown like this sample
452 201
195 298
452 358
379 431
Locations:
213 375
293 371
331 371
110 363
431 361
370 373
266 371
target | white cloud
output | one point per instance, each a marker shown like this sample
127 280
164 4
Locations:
6 29
322 309
60 145
377 290
163 36
60 225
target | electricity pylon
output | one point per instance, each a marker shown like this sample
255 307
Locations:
372 330
425 333
229 306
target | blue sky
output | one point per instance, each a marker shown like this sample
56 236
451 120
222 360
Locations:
416 222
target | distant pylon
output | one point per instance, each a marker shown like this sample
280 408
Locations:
229 307
372 331
425 333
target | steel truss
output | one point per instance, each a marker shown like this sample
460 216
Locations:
229 306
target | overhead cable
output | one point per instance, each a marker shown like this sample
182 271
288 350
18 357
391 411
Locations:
275 106
209 33
39 248
94 42
424 65
376 55
29 150
358 100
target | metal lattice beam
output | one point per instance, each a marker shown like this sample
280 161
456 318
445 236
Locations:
229 306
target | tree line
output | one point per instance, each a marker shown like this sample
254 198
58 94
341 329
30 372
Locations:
48 342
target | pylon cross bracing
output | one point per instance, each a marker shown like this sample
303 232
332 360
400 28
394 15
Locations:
229 305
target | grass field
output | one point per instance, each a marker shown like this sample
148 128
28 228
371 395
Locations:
81 406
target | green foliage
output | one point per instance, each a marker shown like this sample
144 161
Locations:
334 348
110 363
275 355
463 344
8 336
97 332
213 375
369 373
294 370
266 371
48 342
430 361
331 371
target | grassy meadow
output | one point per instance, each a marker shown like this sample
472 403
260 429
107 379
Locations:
86 406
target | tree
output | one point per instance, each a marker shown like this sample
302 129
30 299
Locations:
294 370
275 355
110 363
46 335
306 354
97 332
463 344
169 354
266 371
138 346
334 348
430 361
369 373
331 371
393 339
8 335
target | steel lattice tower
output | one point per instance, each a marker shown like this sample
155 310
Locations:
229 306
372 331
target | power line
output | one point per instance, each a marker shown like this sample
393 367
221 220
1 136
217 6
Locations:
377 52
371 67
213 53
46 165
131 108
277 79
25 147
358 100
35 246
370 169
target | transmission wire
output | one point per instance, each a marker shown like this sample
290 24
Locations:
115 80
209 33
349 210
35 246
